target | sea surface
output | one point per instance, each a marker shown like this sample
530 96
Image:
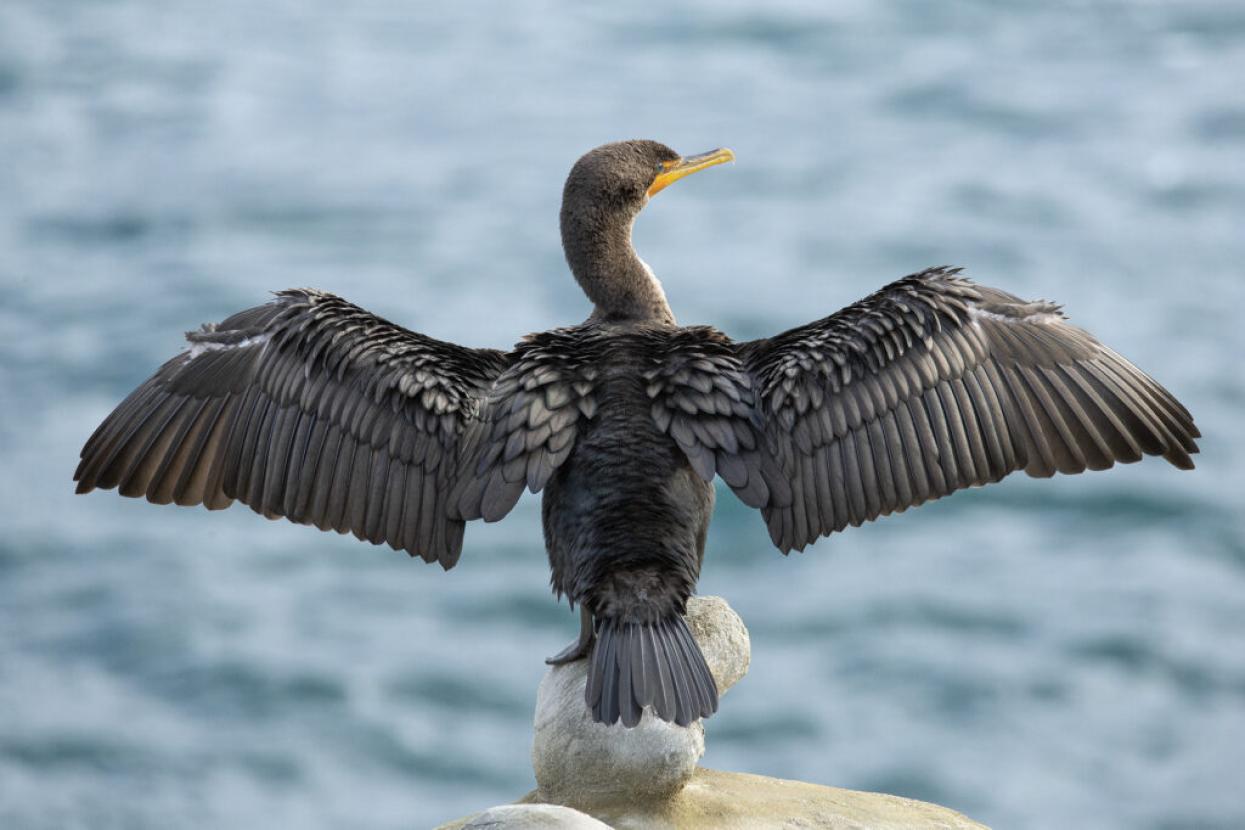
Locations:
1037 654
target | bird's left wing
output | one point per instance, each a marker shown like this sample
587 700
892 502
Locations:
310 408
934 384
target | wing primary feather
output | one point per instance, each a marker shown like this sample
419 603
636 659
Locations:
1093 445
98 448
279 449
374 525
203 485
336 514
304 476
852 479
883 466
230 472
914 454
825 497
1141 424
428 518
411 504
930 451
868 475
253 450
1022 445
297 466
146 449
799 506
96 468
187 487
989 414
1123 447
321 510
837 470
395 504
357 491
1038 451
1068 458
1135 383
976 432
808 491
177 459
897 454
932 405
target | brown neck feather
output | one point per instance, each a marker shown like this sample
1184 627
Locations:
597 242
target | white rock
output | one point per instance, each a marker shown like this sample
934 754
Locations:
533 817
588 765
722 638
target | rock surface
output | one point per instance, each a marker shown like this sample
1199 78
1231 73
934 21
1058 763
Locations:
738 801
715 800
532 817
722 638
587 765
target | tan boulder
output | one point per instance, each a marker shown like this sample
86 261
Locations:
715 800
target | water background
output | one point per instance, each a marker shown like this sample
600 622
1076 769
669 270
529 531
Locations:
1048 654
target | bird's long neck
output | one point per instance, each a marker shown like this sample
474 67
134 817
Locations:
597 242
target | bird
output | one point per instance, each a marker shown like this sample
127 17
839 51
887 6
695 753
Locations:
310 408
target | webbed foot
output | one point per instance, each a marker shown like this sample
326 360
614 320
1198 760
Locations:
582 646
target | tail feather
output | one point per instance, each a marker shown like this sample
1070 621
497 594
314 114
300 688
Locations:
658 664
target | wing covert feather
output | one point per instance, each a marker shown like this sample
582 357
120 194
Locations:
703 399
535 411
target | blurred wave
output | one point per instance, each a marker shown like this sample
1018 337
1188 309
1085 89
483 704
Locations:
1037 654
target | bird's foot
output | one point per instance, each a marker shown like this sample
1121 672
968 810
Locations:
577 650
582 646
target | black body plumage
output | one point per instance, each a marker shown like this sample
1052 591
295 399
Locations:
315 410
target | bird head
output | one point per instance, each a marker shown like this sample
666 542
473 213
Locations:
621 177
606 190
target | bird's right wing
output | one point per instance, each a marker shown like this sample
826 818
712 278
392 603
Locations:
310 408
934 384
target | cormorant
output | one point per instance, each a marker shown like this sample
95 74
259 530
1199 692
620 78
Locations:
311 408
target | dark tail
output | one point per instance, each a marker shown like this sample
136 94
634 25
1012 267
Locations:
658 664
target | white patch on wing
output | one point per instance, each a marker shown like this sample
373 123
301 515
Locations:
1040 316
203 346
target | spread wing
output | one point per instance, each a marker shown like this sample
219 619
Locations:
934 384
310 408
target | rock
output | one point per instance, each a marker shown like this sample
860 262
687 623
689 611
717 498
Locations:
646 778
715 800
584 764
722 638
532 817
588 765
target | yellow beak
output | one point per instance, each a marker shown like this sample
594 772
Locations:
672 171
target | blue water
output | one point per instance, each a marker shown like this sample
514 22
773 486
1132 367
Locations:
1066 653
